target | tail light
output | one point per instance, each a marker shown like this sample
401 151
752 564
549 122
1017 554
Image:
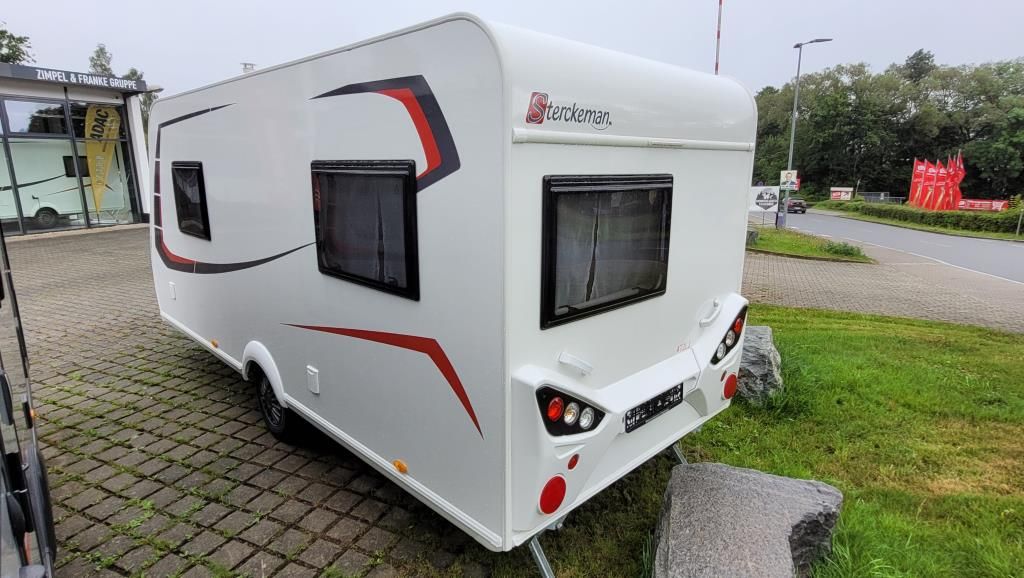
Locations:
731 337
565 414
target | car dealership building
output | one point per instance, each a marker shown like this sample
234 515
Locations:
73 150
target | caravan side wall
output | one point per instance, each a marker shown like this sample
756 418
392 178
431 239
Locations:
418 381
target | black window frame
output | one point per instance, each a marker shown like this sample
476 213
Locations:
203 207
407 170
555 185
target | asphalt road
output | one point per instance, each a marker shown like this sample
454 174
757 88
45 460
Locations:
1003 259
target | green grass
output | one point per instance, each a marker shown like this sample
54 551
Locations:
920 424
789 242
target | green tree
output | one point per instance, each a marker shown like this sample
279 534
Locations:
146 100
859 127
99 62
14 49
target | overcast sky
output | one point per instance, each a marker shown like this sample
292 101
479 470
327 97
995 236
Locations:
183 44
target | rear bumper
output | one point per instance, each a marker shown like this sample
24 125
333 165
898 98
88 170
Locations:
608 452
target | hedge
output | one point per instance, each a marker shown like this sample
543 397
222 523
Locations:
1003 222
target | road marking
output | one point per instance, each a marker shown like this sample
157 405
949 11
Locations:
941 261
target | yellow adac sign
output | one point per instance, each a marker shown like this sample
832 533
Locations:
102 124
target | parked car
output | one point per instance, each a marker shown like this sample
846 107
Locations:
796 205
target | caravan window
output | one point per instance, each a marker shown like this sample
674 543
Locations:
605 243
190 199
365 218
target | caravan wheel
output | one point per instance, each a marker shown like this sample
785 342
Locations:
281 421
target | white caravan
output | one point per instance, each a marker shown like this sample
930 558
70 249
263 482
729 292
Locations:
502 268
48 185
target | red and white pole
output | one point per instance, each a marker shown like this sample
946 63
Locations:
718 36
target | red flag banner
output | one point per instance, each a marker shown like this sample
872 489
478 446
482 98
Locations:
931 172
917 183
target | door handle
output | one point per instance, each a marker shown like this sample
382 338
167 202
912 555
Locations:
716 308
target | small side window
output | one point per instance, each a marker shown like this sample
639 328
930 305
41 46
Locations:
365 218
190 199
69 166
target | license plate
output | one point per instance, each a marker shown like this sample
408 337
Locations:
653 407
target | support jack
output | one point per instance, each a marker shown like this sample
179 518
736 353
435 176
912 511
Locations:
539 557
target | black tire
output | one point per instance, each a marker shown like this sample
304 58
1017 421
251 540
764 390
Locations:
47 218
284 423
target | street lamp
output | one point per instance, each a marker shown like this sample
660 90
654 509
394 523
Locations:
792 130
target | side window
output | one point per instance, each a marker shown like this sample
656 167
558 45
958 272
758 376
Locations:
69 166
605 243
365 218
190 199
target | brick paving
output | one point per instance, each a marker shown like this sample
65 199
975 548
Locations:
159 462
900 284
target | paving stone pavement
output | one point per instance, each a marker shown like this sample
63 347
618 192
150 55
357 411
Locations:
159 462
900 284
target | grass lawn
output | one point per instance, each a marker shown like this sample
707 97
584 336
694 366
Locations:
789 242
920 424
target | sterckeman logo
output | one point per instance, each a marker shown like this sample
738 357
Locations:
541 109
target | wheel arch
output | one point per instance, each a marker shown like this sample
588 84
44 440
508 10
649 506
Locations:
256 355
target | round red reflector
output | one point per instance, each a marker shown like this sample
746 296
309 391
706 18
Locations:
555 408
730 386
575 459
737 325
552 495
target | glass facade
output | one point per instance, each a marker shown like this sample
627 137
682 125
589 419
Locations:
65 165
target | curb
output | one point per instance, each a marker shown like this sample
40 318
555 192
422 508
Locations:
75 232
810 257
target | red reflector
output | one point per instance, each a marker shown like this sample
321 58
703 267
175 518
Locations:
730 387
737 326
552 495
575 459
555 409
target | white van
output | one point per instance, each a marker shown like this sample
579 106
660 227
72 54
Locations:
501 267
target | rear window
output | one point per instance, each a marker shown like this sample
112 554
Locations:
606 241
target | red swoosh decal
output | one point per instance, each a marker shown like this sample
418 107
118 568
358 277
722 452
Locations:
412 106
425 345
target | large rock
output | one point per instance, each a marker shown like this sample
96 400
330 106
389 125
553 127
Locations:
718 520
760 367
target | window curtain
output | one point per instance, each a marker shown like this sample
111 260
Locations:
609 246
362 223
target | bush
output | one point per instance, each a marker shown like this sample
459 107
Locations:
842 249
1004 222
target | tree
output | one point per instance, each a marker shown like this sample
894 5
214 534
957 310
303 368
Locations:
861 127
146 100
14 49
918 65
99 62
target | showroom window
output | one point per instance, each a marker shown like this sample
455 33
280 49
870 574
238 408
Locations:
30 117
605 243
365 219
190 199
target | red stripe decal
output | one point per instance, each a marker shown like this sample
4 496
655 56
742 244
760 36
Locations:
429 347
412 106
172 256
